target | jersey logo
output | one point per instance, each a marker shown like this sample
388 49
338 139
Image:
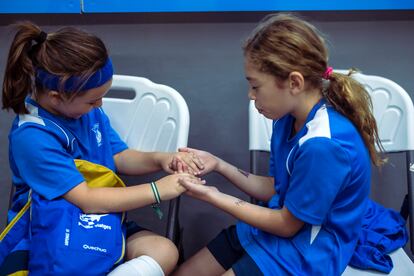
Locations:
92 221
94 248
98 134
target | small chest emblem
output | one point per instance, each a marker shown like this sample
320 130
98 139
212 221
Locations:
98 134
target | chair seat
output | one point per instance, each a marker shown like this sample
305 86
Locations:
403 266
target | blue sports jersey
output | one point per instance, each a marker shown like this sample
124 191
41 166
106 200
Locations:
322 176
42 149
43 146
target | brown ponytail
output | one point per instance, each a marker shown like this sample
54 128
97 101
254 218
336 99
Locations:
65 53
284 43
351 99
19 73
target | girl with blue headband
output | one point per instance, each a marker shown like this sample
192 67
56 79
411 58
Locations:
323 142
55 84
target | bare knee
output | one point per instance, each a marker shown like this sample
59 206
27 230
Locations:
161 249
166 254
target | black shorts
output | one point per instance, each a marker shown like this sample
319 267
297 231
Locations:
229 253
132 227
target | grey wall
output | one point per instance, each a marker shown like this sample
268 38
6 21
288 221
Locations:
200 56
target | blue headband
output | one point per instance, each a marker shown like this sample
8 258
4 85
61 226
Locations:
74 83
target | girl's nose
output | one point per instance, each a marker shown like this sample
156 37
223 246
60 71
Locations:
98 103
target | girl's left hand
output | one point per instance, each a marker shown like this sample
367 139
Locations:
183 162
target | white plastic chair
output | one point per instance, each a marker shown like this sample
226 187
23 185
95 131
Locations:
156 118
394 113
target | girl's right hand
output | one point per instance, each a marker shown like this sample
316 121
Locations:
209 161
196 188
169 186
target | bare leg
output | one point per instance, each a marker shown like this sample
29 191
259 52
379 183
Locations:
202 263
161 249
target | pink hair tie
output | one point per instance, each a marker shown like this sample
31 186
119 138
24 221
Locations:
327 73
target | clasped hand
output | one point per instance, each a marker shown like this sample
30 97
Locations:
196 162
184 162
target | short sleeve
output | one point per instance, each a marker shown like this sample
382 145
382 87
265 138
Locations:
321 168
43 163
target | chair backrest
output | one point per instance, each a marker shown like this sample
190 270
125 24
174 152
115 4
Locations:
393 111
155 119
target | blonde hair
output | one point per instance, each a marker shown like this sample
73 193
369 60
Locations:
284 43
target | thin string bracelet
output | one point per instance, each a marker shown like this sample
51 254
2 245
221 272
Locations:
156 205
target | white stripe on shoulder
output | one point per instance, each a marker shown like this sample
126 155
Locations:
32 117
318 126
314 232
